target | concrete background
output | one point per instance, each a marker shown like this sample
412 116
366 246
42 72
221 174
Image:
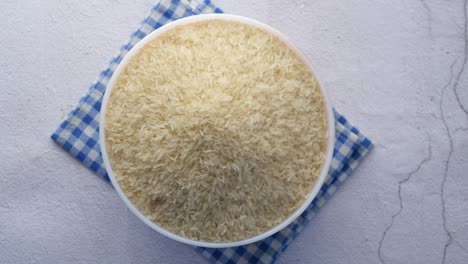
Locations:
394 68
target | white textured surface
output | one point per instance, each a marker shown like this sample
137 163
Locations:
385 63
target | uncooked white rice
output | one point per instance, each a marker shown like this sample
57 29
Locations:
216 131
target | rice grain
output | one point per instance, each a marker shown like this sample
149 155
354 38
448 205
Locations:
216 131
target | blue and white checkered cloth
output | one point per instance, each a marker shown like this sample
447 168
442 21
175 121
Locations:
78 134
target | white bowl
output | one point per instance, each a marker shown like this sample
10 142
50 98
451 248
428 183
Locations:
102 123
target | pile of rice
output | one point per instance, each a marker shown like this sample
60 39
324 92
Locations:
216 131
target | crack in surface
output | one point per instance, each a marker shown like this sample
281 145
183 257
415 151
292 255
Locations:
429 15
465 59
460 129
400 209
447 163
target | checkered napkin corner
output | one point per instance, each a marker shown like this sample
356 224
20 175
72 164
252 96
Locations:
79 132
350 148
79 135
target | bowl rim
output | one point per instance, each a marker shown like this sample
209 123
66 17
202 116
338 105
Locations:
102 124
